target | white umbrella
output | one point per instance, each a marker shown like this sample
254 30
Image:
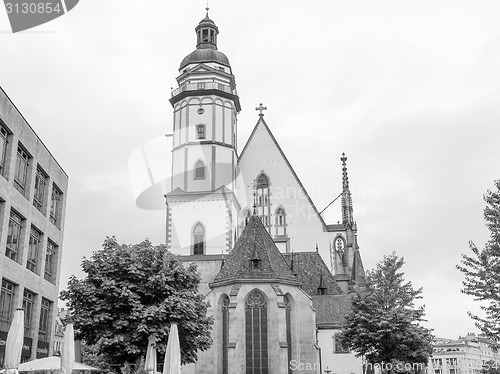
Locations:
51 363
68 350
172 363
150 364
14 344
151 361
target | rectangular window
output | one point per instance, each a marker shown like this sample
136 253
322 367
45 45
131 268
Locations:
200 130
201 86
21 175
13 237
34 250
55 206
40 189
339 347
50 262
6 304
43 327
3 148
28 300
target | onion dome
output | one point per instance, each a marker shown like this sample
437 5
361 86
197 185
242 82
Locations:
206 45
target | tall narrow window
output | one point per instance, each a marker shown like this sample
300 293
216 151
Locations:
34 250
256 334
43 327
40 189
28 299
263 200
21 174
200 131
3 148
199 170
6 304
56 206
13 237
225 334
198 239
50 262
288 321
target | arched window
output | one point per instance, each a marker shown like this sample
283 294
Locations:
263 199
288 321
256 334
225 334
198 239
199 170
280 223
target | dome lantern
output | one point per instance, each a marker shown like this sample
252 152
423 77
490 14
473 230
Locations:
206 33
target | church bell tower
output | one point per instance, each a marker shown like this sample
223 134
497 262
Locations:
202 206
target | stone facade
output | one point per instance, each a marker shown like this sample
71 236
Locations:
33 189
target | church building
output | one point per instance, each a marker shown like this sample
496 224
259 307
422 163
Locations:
276 275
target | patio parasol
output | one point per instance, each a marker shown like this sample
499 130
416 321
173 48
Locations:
14 344
150 364
172 363
68 350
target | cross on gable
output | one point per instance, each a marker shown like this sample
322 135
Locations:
261 108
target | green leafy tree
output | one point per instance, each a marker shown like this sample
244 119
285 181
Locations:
384 323
482 269
132 292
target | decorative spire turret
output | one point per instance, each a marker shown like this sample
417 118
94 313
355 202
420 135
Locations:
206 32
347 211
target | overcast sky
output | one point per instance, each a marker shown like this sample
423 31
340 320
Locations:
410 91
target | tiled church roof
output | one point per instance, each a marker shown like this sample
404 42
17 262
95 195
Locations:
311 270
255 244
331 310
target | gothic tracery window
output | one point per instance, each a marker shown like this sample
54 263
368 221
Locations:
256 334
198 239
280 218
263 199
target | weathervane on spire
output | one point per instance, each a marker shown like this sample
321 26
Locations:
345 178
261 109
207 8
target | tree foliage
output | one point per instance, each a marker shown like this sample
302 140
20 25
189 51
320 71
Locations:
482 269
384 323
131 292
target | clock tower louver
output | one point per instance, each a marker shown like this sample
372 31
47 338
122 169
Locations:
202 208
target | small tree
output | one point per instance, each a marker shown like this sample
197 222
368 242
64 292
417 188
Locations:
482 269
131 292
384 324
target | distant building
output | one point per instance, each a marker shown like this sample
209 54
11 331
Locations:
465 355
33 189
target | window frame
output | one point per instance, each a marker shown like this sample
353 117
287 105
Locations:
256 333
28 303
15 223
199 246
20 175
36 241
44 325
201 132
50 269
4 138
56 206
8 289
199 170
39 199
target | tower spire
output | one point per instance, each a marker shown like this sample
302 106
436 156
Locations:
347 211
